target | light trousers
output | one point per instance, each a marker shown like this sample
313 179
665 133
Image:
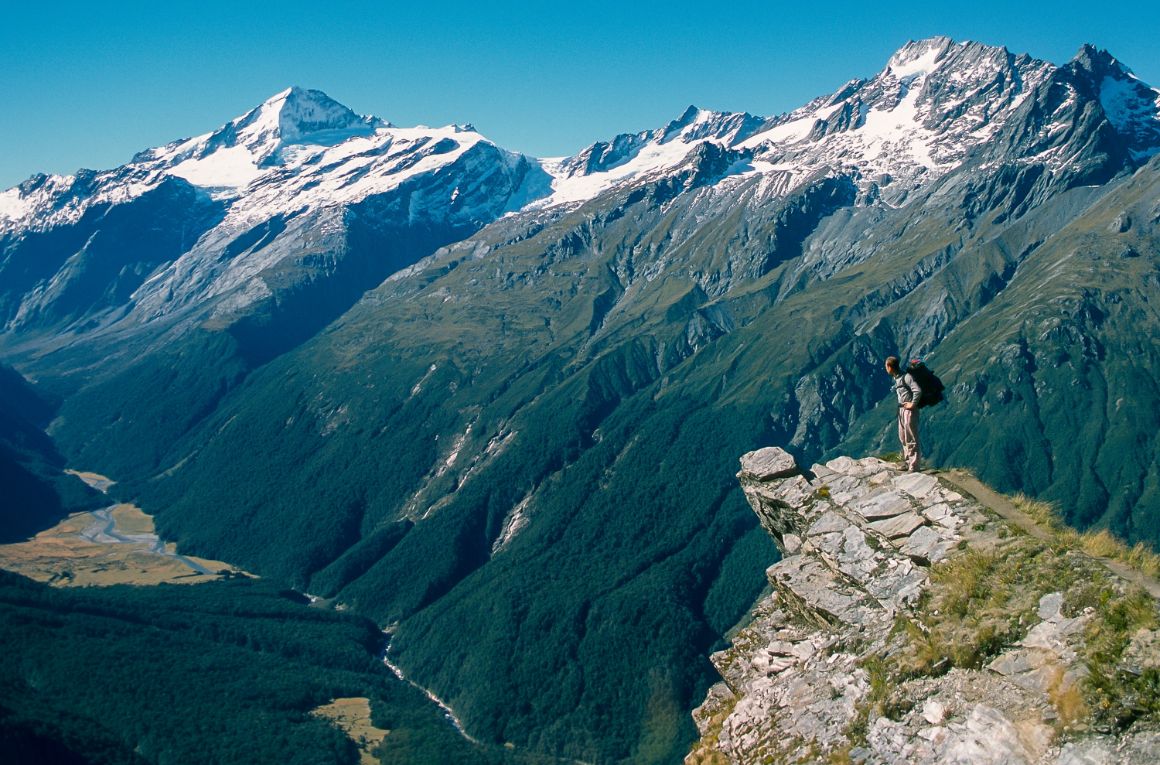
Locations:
908 436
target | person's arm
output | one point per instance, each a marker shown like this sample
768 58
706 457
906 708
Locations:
915 391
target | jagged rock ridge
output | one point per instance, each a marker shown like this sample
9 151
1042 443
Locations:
850 657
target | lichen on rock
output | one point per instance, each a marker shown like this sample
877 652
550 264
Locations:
908 623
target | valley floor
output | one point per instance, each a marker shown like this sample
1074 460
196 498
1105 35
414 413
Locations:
114 545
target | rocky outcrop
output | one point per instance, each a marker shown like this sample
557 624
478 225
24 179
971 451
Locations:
908 623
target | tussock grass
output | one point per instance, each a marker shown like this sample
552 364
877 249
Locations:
1102 544
706 755
1119 695
841 755
706 751
1111 697
1140 557
964 582
1098 544
1067 698
1044 513
980 603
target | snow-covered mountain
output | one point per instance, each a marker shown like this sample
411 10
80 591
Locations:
934 105
268 202
274 191
298 148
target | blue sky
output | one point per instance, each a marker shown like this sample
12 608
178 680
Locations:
88 85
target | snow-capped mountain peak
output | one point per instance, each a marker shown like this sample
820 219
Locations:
728 128
301 173
297 113
236 153
297 149
934 103
920 116
630 157
1131 105
918 57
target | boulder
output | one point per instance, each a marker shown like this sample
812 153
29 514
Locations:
768 463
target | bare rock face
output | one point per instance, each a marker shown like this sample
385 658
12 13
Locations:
767 464
910 624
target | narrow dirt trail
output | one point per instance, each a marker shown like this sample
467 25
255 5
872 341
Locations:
988 497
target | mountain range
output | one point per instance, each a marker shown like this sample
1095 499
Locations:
493 402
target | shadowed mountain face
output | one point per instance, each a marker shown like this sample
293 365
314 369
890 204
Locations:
37 492
519 448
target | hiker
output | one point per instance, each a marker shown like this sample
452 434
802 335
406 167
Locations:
909 395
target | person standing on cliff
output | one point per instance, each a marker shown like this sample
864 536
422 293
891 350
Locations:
909 394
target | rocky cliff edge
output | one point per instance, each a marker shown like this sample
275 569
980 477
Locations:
909 623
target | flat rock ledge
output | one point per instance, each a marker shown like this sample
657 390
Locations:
802 682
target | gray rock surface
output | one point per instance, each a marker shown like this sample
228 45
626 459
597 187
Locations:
768 463
803 681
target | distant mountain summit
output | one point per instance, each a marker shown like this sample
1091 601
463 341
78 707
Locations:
300 113
1130 105
229 215
236 153
936 104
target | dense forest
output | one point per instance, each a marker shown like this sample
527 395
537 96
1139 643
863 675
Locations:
224 672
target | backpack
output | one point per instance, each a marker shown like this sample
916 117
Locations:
932 387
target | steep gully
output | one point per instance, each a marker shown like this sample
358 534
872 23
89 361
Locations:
448 712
